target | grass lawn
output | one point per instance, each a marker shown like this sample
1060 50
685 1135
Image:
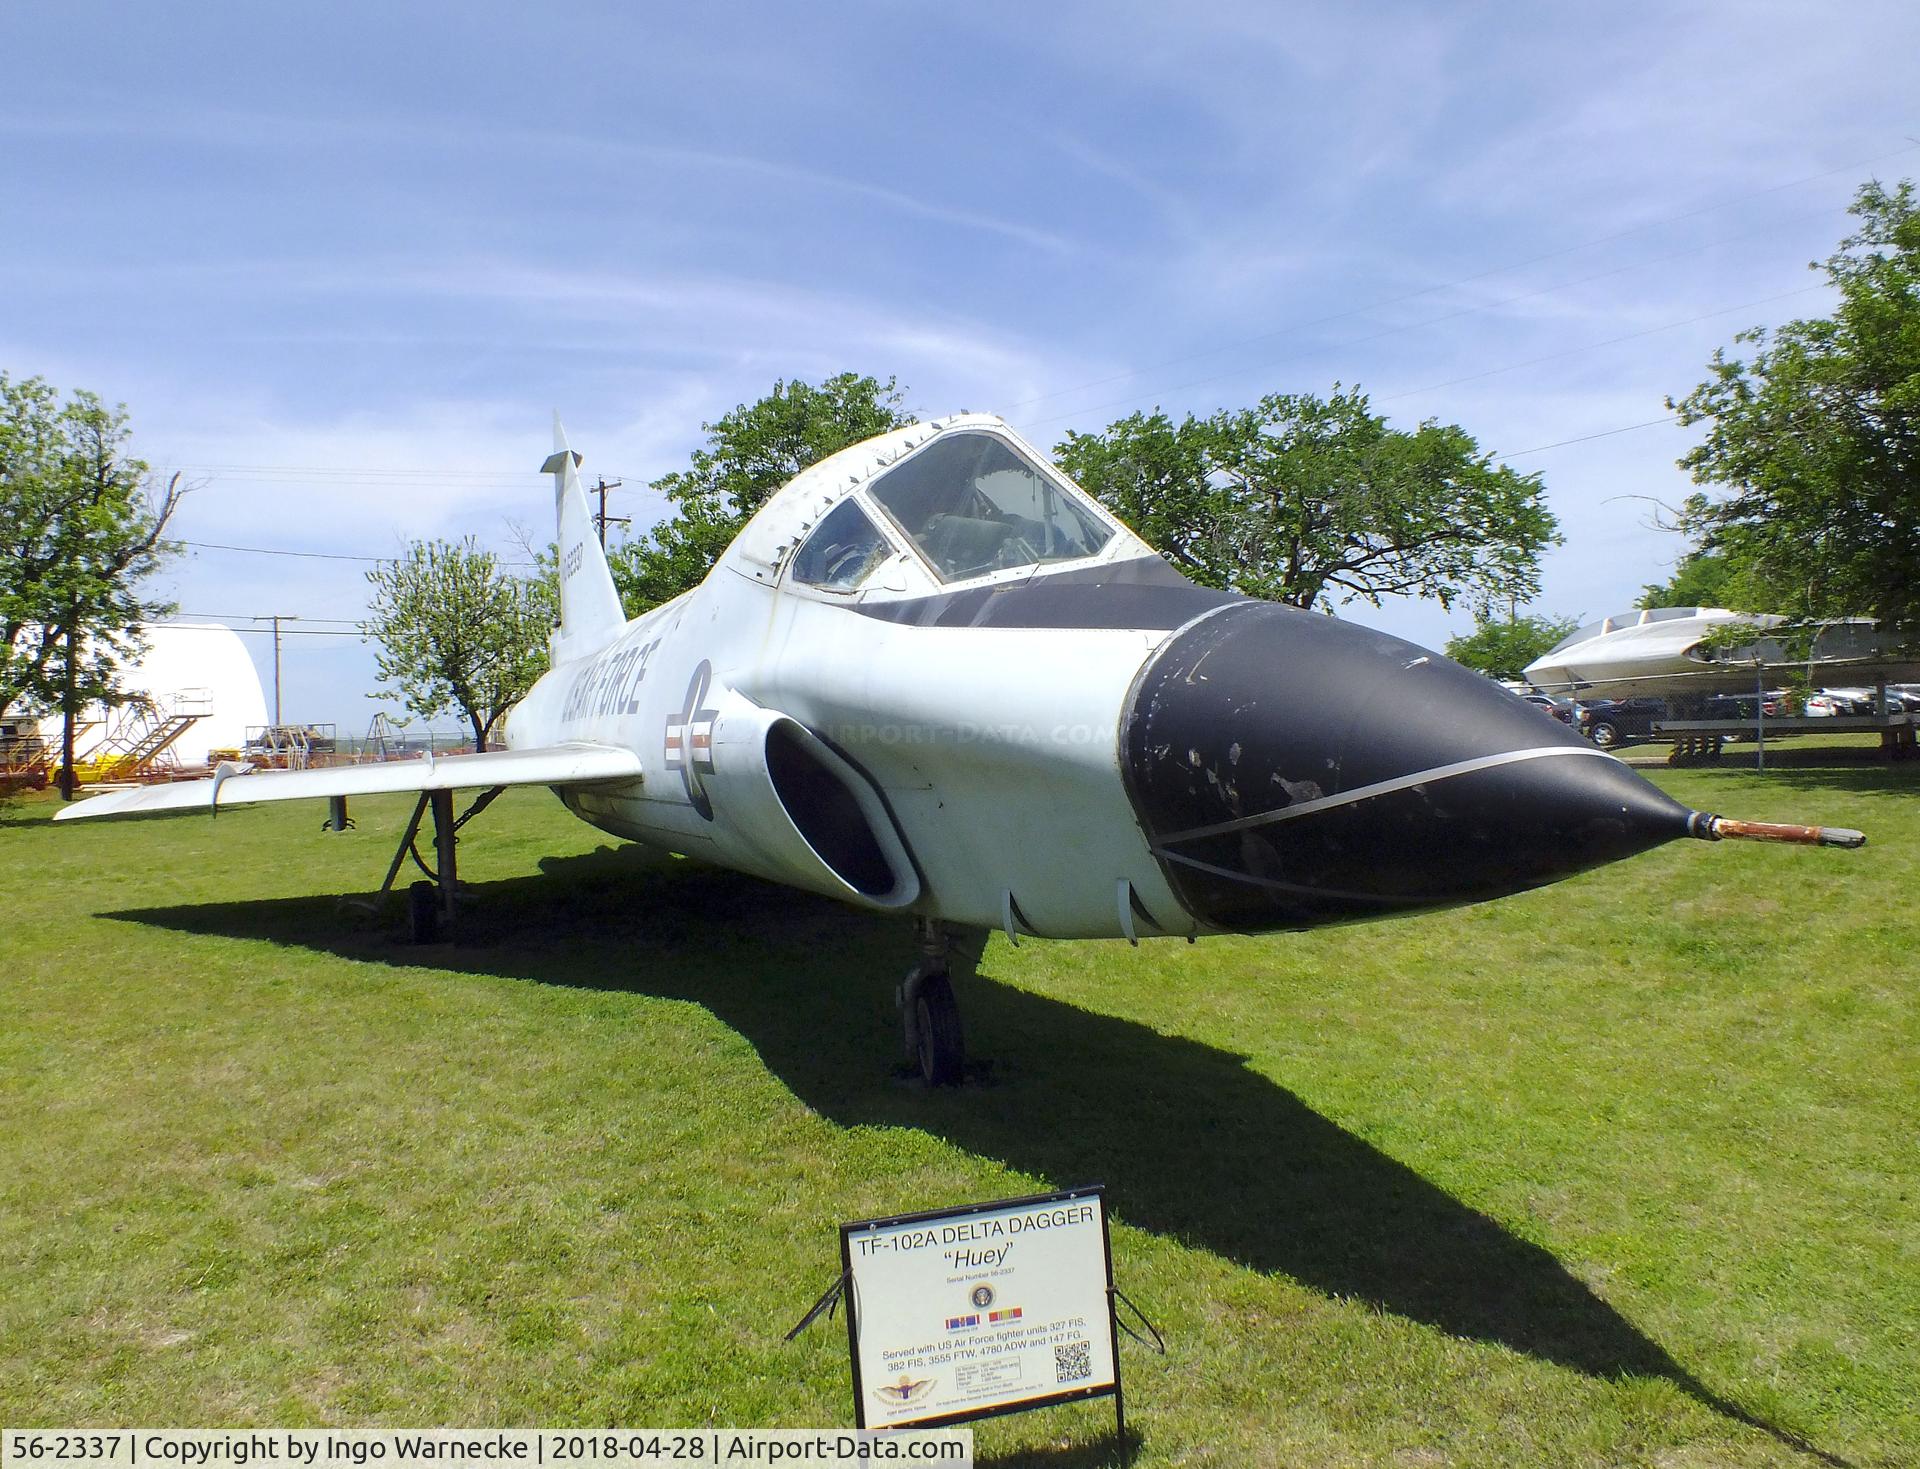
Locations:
1620 1172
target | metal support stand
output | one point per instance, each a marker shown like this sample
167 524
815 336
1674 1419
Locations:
1695 749
443 852
1115 1299
431 902
401 852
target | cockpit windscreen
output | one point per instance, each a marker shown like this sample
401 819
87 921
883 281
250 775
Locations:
973 505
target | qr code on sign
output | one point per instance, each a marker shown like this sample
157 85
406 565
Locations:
1073 1362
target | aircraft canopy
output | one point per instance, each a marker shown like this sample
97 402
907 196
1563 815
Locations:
1635 617
972 504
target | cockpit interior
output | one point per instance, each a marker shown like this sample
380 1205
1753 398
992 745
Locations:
969 504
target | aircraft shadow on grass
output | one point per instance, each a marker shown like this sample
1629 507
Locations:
1190 1142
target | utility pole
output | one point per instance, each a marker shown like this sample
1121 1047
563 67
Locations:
601 485
276 618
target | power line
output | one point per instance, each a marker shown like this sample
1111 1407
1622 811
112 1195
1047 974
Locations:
282 551
257 616
287 632
531 474
489 478
315 555
1605 433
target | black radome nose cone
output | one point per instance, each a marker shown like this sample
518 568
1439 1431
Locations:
1291 769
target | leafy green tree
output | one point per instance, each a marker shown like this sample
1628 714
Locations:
749 454
1156 476
1502 648
82 522
1316 501
1815 440
1701 579
456 632
1705 578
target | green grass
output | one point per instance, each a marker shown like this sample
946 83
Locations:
1620 1172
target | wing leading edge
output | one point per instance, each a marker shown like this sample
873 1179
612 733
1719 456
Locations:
571 764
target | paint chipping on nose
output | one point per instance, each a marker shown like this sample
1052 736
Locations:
1368 777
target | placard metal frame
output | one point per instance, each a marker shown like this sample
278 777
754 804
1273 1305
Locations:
848 1231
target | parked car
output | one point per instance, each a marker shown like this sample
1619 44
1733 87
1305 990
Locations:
1610 722
1863 701
1745 709
1826 703
1741 706
1560 709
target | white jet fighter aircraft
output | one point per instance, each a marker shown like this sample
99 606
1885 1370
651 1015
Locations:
932 676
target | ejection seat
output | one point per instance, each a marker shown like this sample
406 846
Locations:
962 545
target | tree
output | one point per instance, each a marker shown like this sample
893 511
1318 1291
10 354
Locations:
1314 501
749 454
1156 476
456 632
81 524
1503 648
1815 441
1700 579
1704 578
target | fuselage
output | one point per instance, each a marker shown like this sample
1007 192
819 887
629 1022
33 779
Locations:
994 749
1086 745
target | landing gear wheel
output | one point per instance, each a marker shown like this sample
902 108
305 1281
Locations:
423 912
939 1045
932 1017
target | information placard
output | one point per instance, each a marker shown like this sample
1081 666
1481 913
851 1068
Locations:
991 1308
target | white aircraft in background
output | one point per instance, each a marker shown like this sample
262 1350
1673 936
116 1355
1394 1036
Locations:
933 677
1664 652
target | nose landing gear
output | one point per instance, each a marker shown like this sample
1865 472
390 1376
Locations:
929 1014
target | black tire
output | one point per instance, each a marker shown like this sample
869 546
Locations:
423 912
1604 734
940 1048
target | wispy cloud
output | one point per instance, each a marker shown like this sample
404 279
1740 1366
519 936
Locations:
229 130
395 249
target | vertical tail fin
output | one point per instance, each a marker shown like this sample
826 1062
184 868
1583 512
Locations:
590 611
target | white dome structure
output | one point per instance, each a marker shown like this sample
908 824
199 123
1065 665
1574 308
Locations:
188 668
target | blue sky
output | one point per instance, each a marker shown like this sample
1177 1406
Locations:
342 262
